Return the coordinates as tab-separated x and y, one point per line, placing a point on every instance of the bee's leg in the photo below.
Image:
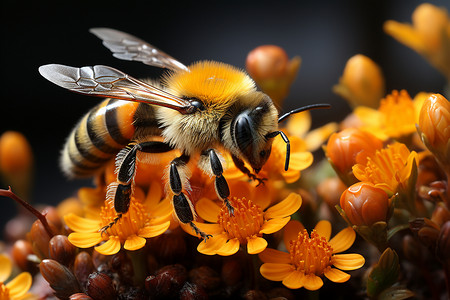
121	190
220	183
239	163
182	206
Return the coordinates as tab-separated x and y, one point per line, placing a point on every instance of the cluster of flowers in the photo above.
390	186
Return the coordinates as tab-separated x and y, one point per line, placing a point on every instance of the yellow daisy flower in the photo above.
396	116
144	219
17	288
311	256
246	227
386	168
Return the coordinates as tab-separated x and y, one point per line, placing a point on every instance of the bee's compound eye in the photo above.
243	133
198	104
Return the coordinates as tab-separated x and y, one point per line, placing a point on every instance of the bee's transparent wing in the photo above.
103	81
128	47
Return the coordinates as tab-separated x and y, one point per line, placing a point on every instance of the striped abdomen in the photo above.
102	133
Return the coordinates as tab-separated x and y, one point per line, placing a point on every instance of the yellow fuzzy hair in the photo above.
211	82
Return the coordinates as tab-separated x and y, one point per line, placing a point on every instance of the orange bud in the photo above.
362	82
15	153
365	204
434	127
272	70
343	146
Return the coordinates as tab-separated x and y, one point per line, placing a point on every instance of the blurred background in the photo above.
325	34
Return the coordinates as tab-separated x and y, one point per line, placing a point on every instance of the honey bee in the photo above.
197	109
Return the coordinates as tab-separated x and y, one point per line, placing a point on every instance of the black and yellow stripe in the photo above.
101	134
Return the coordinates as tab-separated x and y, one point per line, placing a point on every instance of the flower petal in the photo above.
276	272
210	246
256	245
207	210
154	195
291	231
274	225
294	280
210	228
110	247
343	240
134	243
301	160
285	208
229	248
299	124
274	256
85	239
6	269
19	285
336	275
348	261
323	228
312	282
79	224
153	230
315	138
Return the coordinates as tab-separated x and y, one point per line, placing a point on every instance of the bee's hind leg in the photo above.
184	210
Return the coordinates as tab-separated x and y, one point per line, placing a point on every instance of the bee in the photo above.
197	109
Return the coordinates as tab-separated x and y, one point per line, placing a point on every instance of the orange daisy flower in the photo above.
144	219
17	288
310	257
246	227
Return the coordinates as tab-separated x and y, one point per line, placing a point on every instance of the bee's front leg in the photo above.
220	183
239	163
121	190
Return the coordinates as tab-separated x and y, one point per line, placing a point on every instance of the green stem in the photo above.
139	266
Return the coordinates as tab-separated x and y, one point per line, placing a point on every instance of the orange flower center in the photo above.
130	223
311	255
246	221
4	292
398	113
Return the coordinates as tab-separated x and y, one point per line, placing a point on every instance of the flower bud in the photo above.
362	82
100	286
167	281
61	250
83	267
434	128
192	291
80	296
205	277
20	251
60	278
365	204
330	190
441	214
232	272
270	67
426	230
343	147
443	243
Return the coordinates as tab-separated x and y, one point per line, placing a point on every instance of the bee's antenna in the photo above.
288	145
303	108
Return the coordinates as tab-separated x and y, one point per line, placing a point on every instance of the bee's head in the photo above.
250	133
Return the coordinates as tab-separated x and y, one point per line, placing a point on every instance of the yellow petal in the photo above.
405	34
323	228
276	272
312	282
210	246
274	225
209	228
343	240
154	195
207	210
315	138
85	239
19	285
110	247
79	224
163	208
256	245
153	230
294	280
300	160
299	124
6	267
348	261
229	248
336	275
291	231
274	256
285	208
134	243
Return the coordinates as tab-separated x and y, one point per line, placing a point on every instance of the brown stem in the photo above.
9	193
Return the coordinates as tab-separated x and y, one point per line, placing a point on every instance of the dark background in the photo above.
324	33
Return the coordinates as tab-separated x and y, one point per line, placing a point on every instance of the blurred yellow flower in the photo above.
246	227
428	35
17	288
144	219
311	256
386	168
